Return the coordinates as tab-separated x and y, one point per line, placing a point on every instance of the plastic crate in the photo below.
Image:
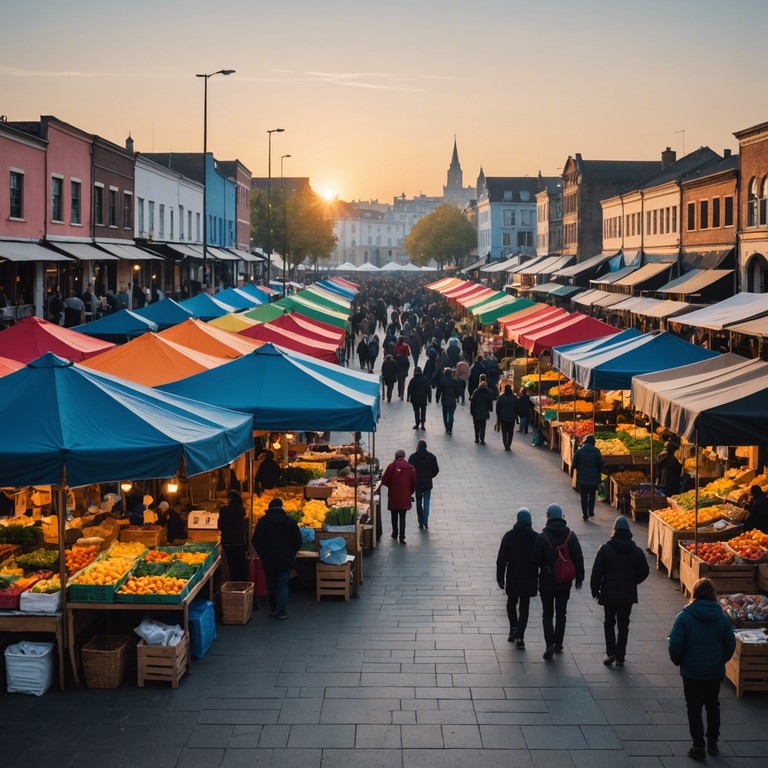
202	627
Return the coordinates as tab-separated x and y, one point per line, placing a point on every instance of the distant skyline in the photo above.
370	97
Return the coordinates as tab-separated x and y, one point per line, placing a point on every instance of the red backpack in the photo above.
564	567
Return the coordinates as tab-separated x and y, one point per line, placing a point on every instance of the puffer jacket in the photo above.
400	478
588	465
513	564
620	565
481	404
544	555
419	390
277	539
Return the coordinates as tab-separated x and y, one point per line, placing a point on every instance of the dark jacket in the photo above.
175	528
268	474
620	565
514	568
524	405
494	372
277	539
702	640
758	515
389	371
474	374
481	404
403	363
419	390
400	478
588	465
232	525
670	471
448	390
453	353
506	407
425	464
544	555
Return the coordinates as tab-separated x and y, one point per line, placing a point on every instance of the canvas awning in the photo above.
13	250
564	291
128	251
457	288
706	258
476	304
206	307
585	299
600	298
82	251
474	265
238	299
757	327
367	267
645	274
347	266
737	309
546	317
517	313
9	366
311	329
501	266
233	322
584	267
222	255
492	314
294	341
31	337
327	298
302	302
612	277
526	266
576	327
479	292
547	266
210	339
164	313
117	327
696	281
443	283
664	308
334	287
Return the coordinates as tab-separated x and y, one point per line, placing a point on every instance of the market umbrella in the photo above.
303	303
165	313
234	322
261	292
206	307
31	337
312	329
207	338
299	341
239	299
326	298
9	366
117	327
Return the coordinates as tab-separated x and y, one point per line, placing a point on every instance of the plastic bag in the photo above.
333	551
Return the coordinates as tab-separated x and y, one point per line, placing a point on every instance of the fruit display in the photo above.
191	558
568	389
751	546
313	514
578	428
613	447
21	532
47	586
37	559
743	608
687	500
629	477
638	442
721	487
128	549
78	557
158	556
153	585
6	550
104	572
712	552
682	520
550	375
301	472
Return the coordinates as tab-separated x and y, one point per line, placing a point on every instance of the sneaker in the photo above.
394	536
511	639
549	653
697	753
609	660
558	649
282	615
712	748
403	541
520	644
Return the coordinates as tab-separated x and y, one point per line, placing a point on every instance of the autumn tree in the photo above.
444	235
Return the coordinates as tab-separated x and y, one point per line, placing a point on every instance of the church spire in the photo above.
455	158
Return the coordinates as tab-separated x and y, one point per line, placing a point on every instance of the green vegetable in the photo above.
181	570
27	536
6	582
40	558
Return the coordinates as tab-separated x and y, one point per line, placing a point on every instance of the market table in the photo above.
73	609
16	621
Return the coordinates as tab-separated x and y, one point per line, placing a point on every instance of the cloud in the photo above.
363	80
19	72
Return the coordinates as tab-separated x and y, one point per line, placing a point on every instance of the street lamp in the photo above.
205	165
282	186
269	202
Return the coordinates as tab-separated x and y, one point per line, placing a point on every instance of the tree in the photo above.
308	226
443	235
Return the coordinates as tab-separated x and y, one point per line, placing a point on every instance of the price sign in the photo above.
203	519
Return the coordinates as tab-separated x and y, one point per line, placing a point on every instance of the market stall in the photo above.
164	313
294	341
210	339
117	327
32	336
206	307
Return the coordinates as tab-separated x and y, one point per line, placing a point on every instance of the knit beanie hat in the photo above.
276	503
555	512
524	515
621	524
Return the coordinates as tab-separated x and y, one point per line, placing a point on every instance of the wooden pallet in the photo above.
728	579
748	668
334	580
164	663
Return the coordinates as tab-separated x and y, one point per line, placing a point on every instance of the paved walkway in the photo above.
417	672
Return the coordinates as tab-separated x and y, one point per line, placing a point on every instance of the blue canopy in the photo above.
165	313
205	307
612	365
97	428
561	356
118	327
256	292
239	299
284	392
342	290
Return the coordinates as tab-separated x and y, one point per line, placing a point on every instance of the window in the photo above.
526	218
691	216
507	217
142	229
648	223
506	239
57	184
171	225
763	203
98	204
728	212
161	221
525	195
655	222
703	214
197	227
151	218
626	224
189	225
76	202
112	207
507	196
525	239
127	211
16	210
181	222
674	218
752	203
668	230
715	212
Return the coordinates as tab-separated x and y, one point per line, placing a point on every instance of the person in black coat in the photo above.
475	372
419	394
233	536
481	408
506	413
277	539
554	596
620	565
362	353
670	468
589	466
758	510
448	392
516	573
389	375
403	362
425	464
268	473
524	410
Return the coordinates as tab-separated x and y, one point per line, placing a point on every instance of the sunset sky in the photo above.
371	94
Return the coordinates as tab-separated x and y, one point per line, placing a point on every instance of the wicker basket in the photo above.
236	602
105	659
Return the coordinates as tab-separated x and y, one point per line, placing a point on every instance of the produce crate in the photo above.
318	492
202	627
333	580
728	579
105	659
641	504
619	494
155	599
94	593
166	663
236	602
148	538
748	667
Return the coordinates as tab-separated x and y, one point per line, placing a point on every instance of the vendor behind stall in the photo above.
143	514
268	473
172	521
758	510
670	469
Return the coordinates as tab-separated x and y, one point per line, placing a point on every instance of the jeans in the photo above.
698	694
616	615
419	413
422	506
398	516
277	589
523	424
517	624
554	604
507	432
480	429
588	500
448	412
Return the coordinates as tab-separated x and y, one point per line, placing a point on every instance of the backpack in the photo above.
564	567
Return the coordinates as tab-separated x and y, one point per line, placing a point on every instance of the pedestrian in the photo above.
400	479
447	394
462	374
700	643
670	468
516	573
362	353
589	466
268	473
506	414
349	345
620	565
524	410
373	352
233	535
74	310
403	362
475	372
758	510
419	395
481	408
389	375
277	539
453	352
554	542
425	464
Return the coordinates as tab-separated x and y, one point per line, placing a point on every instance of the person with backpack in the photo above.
517	574
620	565
557	554
373	352
588	465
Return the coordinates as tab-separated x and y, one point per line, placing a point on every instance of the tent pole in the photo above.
651	473
696	522
354	444
372	508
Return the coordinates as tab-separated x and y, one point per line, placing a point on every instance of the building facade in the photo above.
549	222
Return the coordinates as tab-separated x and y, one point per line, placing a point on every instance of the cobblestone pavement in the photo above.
417	672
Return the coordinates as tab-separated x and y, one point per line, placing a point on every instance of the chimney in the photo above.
668	156
129	143
726	153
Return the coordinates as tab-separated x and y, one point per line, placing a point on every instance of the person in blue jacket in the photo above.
700	643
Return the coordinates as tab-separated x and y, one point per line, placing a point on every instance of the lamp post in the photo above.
282	187
205	165
269	202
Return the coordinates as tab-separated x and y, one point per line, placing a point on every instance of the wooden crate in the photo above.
728	579
748	668
318	491
762	577
147	538
333	580
164	663
201	534
642	505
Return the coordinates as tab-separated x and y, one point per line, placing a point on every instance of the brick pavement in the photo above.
416	673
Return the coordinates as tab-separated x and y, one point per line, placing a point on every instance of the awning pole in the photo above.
696	521
651	472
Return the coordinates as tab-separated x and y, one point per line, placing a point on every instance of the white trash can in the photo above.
29	667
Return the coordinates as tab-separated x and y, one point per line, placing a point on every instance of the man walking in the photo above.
557	554
448	392
425	464
506	413
400	479
481	408
419	394
588	465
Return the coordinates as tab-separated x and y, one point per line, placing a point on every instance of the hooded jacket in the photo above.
506	407
544	554
448	390
620	565
425	464
481	404
419	390
588	464
400	478
702	640
389	371
277	539
453	352
513	564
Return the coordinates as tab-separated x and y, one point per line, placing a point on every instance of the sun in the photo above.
328	194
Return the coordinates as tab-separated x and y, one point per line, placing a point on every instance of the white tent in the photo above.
392	266
347	266
428	269
410	267
367	267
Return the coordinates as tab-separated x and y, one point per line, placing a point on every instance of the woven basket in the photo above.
236	602
105	659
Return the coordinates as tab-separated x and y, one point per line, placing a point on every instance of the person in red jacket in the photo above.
400	479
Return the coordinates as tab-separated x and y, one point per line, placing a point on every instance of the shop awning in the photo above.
544	289
246	256
645	274
696	281
474	265
738	309
545	318
31	337
12	250
502	309
664	308
164	313
260	292
585	299
222	255
443	283
721	401
519	313
479	292
501	266
564	291
82	251
612	277
583	268
577	327
713	258
547	266
206	307
476	303
598	298
457	288
210	339
467	291
129	252
632	304
117	327
526	267
757	327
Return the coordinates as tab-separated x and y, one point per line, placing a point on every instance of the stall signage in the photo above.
203	519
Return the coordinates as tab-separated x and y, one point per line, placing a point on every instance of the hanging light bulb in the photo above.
277	445
289	435
126	487
173	485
